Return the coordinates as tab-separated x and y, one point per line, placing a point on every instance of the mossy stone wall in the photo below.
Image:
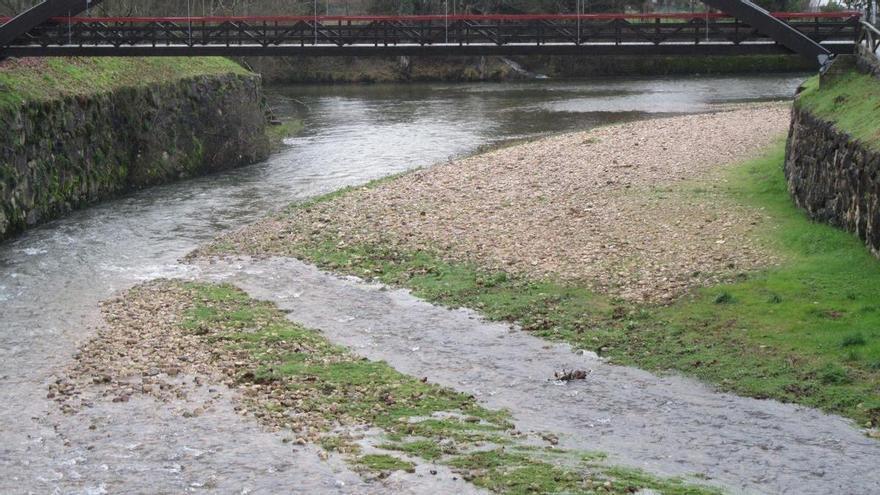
831	175
833	178
64	153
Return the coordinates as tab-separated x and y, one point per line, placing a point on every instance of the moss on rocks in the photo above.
833	150
82	130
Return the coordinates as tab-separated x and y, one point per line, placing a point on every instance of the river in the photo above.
52	277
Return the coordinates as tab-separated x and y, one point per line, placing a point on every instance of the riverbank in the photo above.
83	130
833	148
340	70
663	424
693	263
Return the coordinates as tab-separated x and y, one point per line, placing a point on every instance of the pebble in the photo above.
568	206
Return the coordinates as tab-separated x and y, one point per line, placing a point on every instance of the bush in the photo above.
724	298
852	340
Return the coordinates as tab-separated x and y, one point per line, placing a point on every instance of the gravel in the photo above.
143	352
631	210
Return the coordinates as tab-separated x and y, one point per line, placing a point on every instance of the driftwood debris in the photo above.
567	376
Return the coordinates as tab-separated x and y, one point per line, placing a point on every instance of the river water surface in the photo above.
52	277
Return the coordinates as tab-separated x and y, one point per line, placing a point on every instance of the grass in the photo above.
54	78
518	473
384	464
850	100
278	133
425	449
290	371
806	331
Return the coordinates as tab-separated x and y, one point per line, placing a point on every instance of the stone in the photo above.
67	153
832	177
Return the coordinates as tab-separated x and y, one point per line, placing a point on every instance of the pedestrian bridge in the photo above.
56	28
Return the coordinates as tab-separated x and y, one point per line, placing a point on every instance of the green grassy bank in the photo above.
291	371
850	101
283	130
26	80
81	130
805	331
52	78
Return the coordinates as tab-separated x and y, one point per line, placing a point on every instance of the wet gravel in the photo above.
149	445
143	446
146	396
666	425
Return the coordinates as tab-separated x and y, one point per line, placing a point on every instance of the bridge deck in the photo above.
670	34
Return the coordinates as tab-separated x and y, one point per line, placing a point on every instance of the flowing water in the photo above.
52	277
670	424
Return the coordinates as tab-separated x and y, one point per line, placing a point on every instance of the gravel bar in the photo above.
628	209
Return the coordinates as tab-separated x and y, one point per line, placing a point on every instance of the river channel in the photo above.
52	277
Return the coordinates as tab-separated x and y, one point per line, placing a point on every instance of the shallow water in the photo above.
52	277
670	425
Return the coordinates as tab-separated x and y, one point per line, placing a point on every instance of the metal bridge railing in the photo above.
617	29
869	36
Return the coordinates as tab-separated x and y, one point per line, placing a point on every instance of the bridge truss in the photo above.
814	35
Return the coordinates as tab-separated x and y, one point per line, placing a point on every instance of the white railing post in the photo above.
446	19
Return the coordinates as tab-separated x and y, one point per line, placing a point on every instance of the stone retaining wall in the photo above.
832	176
59	155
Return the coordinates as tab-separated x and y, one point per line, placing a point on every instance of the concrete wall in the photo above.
62	154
